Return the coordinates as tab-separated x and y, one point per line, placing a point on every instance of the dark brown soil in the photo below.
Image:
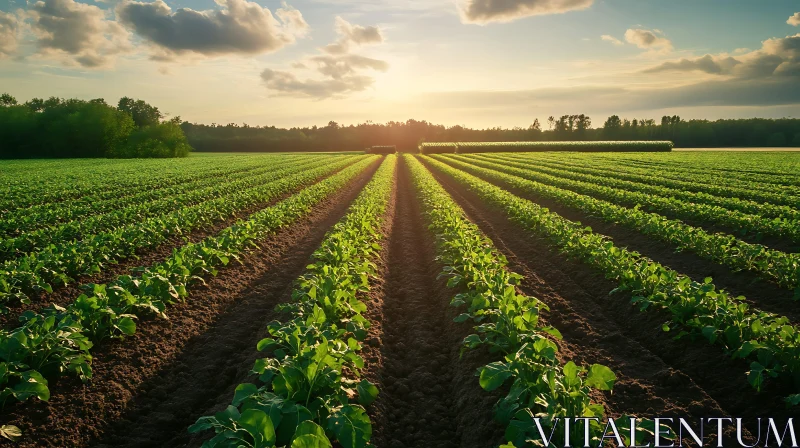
760	293
657	376
429	397
372	347
147	389
64	295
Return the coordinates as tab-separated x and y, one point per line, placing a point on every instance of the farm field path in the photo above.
147	389
429	397
656	375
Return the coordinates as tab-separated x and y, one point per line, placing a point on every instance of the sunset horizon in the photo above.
475	63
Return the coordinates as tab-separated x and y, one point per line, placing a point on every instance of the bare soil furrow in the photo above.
760	293
429	396
147	389
657	376
64	295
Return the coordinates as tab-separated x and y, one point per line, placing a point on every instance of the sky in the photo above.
477	63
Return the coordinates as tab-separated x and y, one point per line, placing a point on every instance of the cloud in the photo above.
338	67
778	57
353	36
487	11
342	70
794	19
78	31
648	40
611	39
239	27
620	99
9	25
288	84
707	64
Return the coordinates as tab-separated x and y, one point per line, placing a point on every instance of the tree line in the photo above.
61	128
58	127
755	132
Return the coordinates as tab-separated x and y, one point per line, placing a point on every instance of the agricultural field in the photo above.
441	299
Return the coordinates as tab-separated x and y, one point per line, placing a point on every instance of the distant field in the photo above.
739	149
670	278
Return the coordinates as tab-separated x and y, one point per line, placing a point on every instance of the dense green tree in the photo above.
407	135
143	114
75	128
163	140
777	139
7	100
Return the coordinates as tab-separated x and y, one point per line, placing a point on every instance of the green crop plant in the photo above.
309	393
507	322
779	267
60	263
770	342
59	339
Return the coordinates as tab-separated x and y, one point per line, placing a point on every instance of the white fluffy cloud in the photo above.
338	67
487	11
352	36
342	71
238	27
287	83
648	40
777	57
9	27
794	19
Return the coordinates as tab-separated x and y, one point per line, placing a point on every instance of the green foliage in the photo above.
56	341
407	135
143	114
34	227
310	377
508	324
162	140
698	309
57	128
725	249
59	262
7	100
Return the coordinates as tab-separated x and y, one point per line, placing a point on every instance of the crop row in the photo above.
580	146
309	381
58	263
650	184
21	221
714	169
57	341
699	174
754	192
86	184
697	308
781	164
773	265
162	202
508	324
692	212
